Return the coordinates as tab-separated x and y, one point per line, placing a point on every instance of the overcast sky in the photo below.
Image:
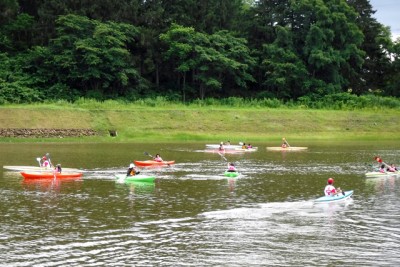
388	13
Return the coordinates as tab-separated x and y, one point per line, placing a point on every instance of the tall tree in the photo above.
285	74
332	42
376	45
212	60
205	16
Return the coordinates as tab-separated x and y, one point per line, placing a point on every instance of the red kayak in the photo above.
43	175
147	163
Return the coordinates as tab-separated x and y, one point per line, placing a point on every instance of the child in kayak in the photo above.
58	168
231	167
132	171
45	162
382	169
392	168
285	144
330	190
158	158
221	148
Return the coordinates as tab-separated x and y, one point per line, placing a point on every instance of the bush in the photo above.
17	93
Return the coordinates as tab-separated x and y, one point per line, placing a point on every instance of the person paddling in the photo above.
132	171
158	158
58	168
330	190
392	168
221	148
45	162
285	144
231	167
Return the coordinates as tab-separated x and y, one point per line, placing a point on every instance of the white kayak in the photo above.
289	148
381	174
336	198
251	149
227	147
36	169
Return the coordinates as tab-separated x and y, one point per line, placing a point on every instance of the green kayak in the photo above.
136	178
231	174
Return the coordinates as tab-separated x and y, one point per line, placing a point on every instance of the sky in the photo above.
388	14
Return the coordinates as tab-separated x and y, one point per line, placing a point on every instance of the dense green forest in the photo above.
185	50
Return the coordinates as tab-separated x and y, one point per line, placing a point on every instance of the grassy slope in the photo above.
181	124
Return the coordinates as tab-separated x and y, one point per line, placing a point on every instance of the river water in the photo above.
194	216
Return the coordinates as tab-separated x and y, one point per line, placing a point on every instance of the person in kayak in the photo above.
392	168
58	168
221	148
330	190
231	167
382	169
132	171
45	162
285	144
158	158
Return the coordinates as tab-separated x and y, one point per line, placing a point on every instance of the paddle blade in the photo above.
38	160
222	156
147	154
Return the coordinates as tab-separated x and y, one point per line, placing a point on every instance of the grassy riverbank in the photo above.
180	123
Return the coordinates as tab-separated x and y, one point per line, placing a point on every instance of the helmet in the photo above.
330	181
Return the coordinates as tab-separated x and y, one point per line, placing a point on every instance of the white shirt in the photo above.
330	190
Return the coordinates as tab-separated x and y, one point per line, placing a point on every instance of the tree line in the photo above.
189	49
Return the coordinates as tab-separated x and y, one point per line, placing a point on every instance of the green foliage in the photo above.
16	92
215	59
215	49
347	101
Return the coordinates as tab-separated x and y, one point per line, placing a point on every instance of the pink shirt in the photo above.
159	159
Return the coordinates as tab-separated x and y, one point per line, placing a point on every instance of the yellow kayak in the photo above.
289	148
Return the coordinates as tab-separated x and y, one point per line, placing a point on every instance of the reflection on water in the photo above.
192	215
50	184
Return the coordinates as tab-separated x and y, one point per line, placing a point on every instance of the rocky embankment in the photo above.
45	133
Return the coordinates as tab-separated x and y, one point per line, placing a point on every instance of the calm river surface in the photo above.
194	216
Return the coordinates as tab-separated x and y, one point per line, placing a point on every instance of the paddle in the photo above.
147	154
48	158
38	160
222	156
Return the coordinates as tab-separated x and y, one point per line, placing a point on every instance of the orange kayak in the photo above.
43	175
147	163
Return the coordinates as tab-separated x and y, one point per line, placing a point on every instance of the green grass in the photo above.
177	122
